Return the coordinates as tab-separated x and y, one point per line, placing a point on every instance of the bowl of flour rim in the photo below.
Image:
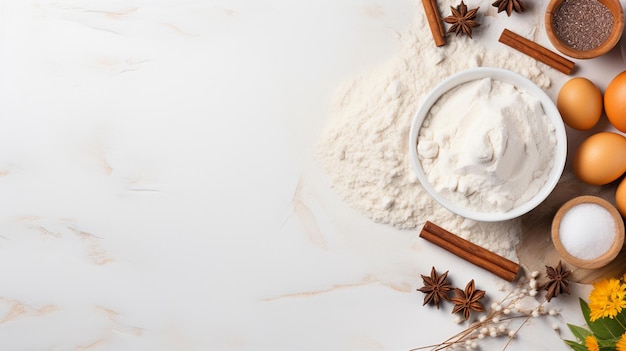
521	83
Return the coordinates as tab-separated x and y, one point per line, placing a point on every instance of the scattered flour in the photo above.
365	146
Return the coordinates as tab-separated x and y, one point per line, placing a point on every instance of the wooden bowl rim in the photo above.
618	27
608	256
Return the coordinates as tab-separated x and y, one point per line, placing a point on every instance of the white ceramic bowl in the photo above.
524	84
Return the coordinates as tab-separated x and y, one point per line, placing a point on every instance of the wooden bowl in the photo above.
618	26
609	255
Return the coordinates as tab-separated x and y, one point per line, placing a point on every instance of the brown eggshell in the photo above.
620	197
580	103
615	102
601	158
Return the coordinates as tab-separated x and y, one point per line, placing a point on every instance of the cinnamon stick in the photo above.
434	21
492	262
536	51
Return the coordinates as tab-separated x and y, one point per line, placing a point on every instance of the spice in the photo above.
587	231
518	304
509	6
582	24
462	20
558	283
536	51
435	287
494	263
468	300
434	21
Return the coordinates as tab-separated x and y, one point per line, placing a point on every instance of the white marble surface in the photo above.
158	189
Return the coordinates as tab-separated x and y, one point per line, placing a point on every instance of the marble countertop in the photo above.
159	190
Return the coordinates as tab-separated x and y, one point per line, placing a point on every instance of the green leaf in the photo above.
621	317
584	307
575	346
603	328
610	343
579	332
606	329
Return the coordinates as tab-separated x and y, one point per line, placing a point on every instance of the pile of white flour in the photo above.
365	146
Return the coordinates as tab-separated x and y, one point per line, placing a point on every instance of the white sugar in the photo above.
587	231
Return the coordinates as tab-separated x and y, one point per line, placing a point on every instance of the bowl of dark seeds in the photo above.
584	28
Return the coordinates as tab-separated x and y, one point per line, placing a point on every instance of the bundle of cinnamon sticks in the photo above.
492	262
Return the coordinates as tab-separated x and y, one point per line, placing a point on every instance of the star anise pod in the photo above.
468	300
509	6
435	287
558	283
462	20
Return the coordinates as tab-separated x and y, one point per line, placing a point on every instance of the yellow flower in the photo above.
607	299
621	344
592	343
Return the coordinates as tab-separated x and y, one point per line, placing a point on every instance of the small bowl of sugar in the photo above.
588	232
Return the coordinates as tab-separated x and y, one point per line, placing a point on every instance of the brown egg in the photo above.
601	158
615	102
580	103
620	198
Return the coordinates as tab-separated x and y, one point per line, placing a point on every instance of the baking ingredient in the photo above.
462	20
615	101
364	147
620	198
583	24
509	6
519	302
536	51
472	253
601	158
587	231
436	287
487	146
434	21
468	300
580	103
557	283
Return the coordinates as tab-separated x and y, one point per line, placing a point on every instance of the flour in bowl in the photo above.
487	146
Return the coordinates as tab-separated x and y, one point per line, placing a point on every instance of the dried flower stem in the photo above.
517	330
494	323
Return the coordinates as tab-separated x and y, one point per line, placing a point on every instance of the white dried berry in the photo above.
535	313
534	274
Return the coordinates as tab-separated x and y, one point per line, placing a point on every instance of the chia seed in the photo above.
582	24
